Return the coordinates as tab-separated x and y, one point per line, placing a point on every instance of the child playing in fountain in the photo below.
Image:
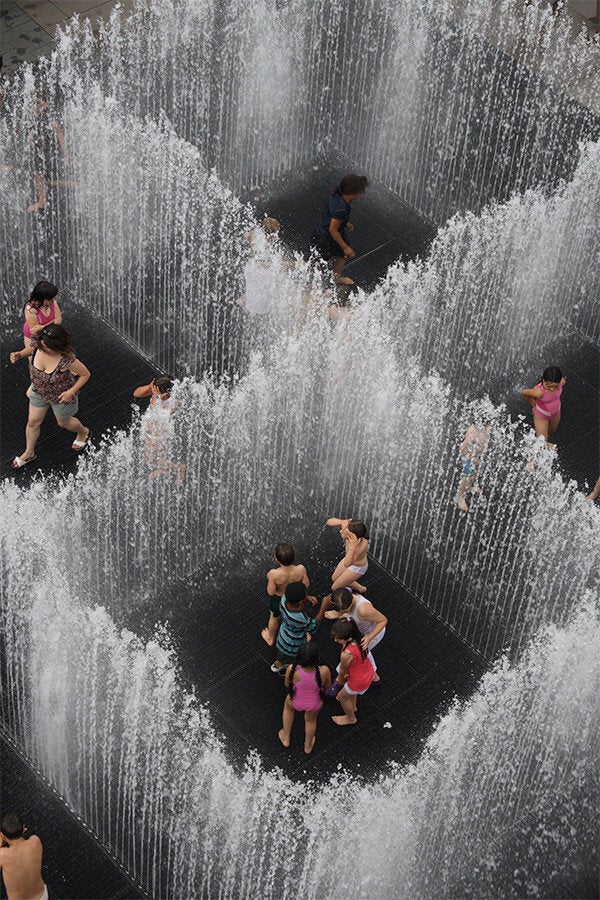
41	309
277	581
260	287
355	671
296	625
330	237
157	428
473	447
370	622
306	680
544	400
355	562
20	860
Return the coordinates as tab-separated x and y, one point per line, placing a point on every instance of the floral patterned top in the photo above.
50	385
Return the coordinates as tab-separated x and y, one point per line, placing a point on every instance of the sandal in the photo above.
18	462
78	446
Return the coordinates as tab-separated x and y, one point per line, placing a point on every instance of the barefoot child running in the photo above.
355	562
277	581
306	680
355	673
544	400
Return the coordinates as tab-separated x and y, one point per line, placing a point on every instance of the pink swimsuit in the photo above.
548	404
307	696
42	319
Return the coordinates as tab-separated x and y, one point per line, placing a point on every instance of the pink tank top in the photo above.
548	404
42	319
307	696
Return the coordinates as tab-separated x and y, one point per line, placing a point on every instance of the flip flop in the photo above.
78	446
18	462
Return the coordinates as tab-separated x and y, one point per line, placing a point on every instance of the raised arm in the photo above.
338	523
144	390
21	354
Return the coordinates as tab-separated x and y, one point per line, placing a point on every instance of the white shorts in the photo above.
359	570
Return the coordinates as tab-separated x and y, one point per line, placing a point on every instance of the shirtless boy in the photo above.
21	861
277	581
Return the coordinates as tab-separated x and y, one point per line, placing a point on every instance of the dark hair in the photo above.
352	184
358	527
11	826
341	599
56	338
164	383
295	592
347	630
42	291
284	553
552	374
308	657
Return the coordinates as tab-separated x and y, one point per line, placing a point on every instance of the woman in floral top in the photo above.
56	378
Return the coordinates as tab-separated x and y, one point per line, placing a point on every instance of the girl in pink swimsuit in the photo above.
544	400
306	680
41	309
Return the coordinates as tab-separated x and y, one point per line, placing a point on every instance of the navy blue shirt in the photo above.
337	208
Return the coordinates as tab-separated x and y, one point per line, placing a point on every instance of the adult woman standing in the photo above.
57	376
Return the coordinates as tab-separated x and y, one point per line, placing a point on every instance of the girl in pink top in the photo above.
41	309
306	680
544	400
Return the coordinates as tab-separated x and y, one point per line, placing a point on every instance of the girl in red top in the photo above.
355	673
544	400
306	680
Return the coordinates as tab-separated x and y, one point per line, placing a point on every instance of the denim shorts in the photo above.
60	410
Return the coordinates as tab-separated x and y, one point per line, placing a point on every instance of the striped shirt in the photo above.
295	625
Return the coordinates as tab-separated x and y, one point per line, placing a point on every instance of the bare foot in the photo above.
462	504
35	206
308	746
342	279
285	741
376	679
266	636
360	588
344	720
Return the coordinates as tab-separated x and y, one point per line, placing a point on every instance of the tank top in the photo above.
364	626
50	385
307	694
42	318
549	403
361	671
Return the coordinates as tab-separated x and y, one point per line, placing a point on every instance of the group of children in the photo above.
295	615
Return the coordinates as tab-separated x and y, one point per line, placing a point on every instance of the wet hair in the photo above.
341	599
270	225
284	554
552	374
164	383
295	592
308	657
358	527
347	630
41	292
56	338
352	184
11	826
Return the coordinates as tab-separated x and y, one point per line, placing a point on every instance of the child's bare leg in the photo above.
466	483
40	184
339	569
338	265
541	426
269	633
553	424
357	586
288	720
348	702
310	730
345	579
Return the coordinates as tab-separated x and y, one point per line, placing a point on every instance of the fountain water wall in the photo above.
424	97
145	233
491	805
